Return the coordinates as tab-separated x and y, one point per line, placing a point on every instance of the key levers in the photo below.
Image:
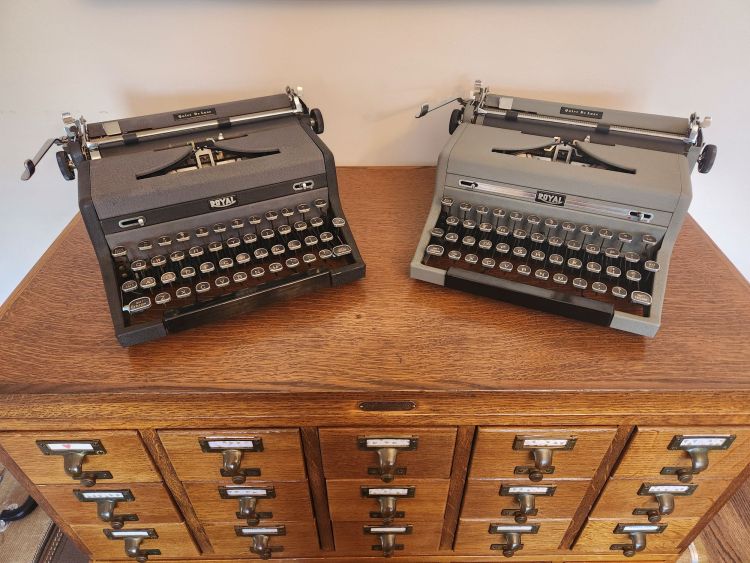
567	209
200	214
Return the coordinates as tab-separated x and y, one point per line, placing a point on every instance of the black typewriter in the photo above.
204	213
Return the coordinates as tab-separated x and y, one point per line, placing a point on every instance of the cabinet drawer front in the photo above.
483	500
264	455
620	497
300	539
174	541
149	502
598	535
510	452
416	500
278	500
474	536
352	453
649	452
351	538
121	455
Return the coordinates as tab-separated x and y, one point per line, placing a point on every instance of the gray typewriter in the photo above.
564	208
203	213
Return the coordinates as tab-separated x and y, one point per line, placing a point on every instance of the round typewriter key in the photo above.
593	267
308	258
225	263
266	234
253	220
168	277
164	241
574	245
613	271
202	287
485	244
201	232
471	258
641	298
119	251
277	249
183	292
537	255
606	234
239	277
502	231
207	267
320	203
533	220
303	208
311	240
469	224
519	251
325	236
505	266
555	241
599	287
437	232
138	304
625	238
219	228
338	222
454	255
649	240
182	236
619	292
271	216
568	226
316	222
243	258
237	223
446	201
537	238
177	256
294	244
633	275
516	216
300	226
587	230
138	265
541	274
195	251
233	242
162	298
292	263
434	250
592	249
257	272
612	253
550	223
130	285
574	263
632	257
482	210
524	270
498	213
157	261
187	272
651	266
221	281
580	283
468	240
284	230
502	248
561	279
249	238
464	206
519	234
485	227
260	253
275	267
451	237
286	212
488	263
325	254
215	246
556	259
452	221
145	245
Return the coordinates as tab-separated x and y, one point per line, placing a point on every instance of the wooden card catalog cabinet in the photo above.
386	418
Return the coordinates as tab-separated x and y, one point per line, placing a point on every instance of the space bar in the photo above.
549	300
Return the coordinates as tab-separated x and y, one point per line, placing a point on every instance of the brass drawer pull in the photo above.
697	447
388	537
525	496
387	450
664	495
512	535
74	454
106	502
387	498
637	533
542	450
248	498
261	537
133	540
232	451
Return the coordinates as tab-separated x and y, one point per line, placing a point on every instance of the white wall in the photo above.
367	65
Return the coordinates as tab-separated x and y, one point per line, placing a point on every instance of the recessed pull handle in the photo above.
74	454
387	450
637	534
697	448
232	451
542	452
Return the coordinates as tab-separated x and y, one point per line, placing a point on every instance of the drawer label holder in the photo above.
248	498
387	450
387	536
513	534
387	498
74	453
637	533
525	496
133	540
262	537
232	450
106	502
664	495
542	450
697	447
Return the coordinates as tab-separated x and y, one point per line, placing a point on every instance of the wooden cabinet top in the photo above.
386	333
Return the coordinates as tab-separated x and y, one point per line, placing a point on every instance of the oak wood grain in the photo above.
557	558
351	539
459	470
474	536
300	540
598	535
318	491
173	541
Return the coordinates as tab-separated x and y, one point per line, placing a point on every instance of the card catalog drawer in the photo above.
171	540
377	540
519	499
83	457
682	452
415	500
270	539
539	452
234	456
631	537
652	500
354	453
130	505
253	502
503	536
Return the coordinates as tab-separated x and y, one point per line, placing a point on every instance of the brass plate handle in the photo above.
133	539
261	539
512	536
387	499
697	447
74	453
232	450
664	495
388	537
637	533
542	451
106	503
387	449
248	499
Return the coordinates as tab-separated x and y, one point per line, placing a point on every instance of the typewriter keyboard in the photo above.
199	266
590	261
